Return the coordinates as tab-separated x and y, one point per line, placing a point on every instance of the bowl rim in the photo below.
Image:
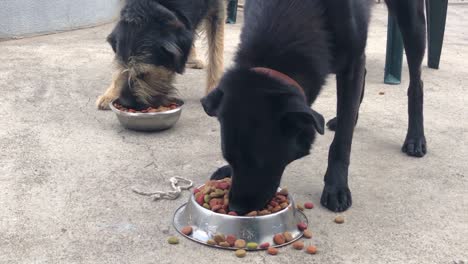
117	111
291	204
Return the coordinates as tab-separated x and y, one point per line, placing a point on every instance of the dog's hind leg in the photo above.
411	20
113	92
215	35
336	195
193	61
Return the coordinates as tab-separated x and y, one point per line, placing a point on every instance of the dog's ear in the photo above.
112	41
175	55
212	101
298	116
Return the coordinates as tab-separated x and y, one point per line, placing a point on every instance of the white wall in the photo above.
32	17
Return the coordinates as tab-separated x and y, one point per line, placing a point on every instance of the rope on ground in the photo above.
177	183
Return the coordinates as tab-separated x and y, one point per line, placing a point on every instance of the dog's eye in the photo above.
141	75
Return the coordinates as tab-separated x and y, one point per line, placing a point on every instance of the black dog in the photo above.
153	41
263	103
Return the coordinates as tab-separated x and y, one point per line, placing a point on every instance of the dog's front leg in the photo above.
113	92
215	35
336	195
193	61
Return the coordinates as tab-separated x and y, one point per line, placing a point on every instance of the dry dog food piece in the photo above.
240	253
240	243
231	239
311	249
224	244
253	213
276	209
302	226
307	233
309	205
219	238
284	191
381	93
252	245
173	240
272	251
265	245
300	207
264	212
279	239
171	106
214	196
288	236
299	245
187	230
211	242
339	219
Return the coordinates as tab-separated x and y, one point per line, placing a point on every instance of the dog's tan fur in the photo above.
157	81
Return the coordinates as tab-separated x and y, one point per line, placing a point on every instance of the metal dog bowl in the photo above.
260	229
148	121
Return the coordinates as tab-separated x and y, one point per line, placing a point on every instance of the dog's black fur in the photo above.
266	124
158	33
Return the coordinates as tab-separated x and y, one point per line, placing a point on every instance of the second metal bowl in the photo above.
148	121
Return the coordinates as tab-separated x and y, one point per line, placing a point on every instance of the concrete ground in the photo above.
66	169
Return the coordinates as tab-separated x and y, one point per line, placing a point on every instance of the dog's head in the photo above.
265	126
151	44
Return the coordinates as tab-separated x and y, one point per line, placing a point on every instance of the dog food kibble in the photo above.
219	238
264	245
309	205
240	243
300	207
211	242
240	253
339	219
171	106
214	196
187	230
307	233
173	240
284	191
299	245
272	251
253	213
231	240
224	244
302	226
288	236
252	245
311	249
279	239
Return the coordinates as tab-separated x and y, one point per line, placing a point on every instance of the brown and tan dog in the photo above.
154	40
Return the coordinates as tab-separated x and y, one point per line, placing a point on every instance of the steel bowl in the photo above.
260	229
148	121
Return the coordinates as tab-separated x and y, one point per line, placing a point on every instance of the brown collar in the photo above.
280	77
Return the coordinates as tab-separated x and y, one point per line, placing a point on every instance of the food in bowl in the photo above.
150	109
214	196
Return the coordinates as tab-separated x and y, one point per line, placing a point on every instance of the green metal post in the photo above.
436	11
393	61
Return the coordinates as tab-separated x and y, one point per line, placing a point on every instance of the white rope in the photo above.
169	195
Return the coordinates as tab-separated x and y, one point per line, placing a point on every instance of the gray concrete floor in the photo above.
66	169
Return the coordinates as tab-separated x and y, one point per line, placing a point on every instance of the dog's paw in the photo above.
195	64
336	199
103	102
221	173
415	146
332	124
